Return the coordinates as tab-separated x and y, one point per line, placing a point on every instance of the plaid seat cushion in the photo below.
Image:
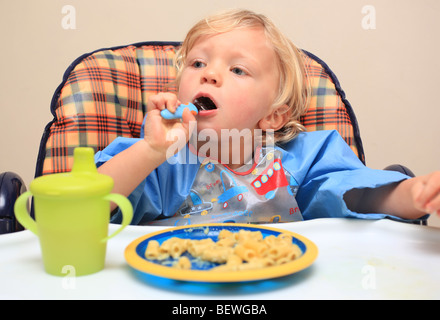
329	109
104	93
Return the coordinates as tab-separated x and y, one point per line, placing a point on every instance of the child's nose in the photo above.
211	76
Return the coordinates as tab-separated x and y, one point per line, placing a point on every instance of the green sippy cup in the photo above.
72	214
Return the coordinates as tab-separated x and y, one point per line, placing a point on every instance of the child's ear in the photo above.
276	119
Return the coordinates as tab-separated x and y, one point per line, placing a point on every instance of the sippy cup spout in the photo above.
84	180
83	160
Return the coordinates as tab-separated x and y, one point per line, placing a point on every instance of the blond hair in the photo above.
293	87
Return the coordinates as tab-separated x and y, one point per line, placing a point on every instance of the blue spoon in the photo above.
166	114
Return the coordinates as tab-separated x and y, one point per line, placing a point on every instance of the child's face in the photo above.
237	71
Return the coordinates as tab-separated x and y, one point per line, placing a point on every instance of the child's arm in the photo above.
131	166
409	199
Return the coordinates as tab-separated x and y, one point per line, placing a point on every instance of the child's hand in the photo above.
426	193
166	136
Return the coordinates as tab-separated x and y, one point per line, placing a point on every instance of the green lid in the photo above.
83	181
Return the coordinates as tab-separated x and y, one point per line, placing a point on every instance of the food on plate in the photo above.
242	250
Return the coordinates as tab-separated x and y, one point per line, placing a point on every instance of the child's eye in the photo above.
238	71
198	64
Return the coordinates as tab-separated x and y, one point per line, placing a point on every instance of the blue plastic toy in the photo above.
166	114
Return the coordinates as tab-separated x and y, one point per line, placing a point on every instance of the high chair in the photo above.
103	95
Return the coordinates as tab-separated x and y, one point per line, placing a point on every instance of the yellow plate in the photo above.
134	254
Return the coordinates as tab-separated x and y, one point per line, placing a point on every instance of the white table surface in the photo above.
357	260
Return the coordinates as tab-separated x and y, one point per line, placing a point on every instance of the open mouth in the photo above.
204	103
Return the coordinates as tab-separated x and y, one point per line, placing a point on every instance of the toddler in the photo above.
245	157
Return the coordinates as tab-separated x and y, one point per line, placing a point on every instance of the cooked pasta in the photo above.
233	251
183	263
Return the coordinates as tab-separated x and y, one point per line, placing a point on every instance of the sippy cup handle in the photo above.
126	209
22	215
21	212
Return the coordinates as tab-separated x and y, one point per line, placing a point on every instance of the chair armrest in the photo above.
11	187
400	168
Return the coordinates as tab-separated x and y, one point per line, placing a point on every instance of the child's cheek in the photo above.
183	94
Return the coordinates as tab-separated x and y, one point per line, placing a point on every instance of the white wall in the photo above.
388	73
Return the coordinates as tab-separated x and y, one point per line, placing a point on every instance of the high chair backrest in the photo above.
104	93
